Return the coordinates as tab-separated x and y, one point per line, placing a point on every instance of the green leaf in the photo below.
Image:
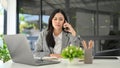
4	53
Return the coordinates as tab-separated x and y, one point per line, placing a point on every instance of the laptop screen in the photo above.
108	48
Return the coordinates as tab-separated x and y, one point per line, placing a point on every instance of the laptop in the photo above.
20	51
108	54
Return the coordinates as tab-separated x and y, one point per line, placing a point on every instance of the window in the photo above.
98	20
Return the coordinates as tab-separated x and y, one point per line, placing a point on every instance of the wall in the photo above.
11	17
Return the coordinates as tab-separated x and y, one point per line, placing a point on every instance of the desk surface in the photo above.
99	63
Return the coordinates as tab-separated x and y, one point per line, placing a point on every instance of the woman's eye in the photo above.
61	19
54	19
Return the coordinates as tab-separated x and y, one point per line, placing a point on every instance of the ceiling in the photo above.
34	6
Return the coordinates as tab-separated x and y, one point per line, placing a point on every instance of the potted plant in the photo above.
4	53
72	52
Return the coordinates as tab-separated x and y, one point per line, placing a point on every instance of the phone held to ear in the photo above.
66	28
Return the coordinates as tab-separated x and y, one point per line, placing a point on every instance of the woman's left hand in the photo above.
69	28
56	55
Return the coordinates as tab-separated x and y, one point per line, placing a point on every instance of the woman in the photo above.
58	35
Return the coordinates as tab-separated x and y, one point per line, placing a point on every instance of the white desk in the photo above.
97	63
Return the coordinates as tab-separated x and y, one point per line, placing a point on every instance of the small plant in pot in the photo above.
72	52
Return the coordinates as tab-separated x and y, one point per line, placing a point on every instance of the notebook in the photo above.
20	51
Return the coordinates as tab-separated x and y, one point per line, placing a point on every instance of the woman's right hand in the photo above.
69	28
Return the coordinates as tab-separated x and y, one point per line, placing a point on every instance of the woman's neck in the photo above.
57	32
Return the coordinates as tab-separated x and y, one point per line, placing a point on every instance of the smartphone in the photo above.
66	28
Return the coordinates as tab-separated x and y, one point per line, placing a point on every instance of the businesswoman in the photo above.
57	36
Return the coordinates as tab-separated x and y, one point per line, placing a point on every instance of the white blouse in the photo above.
58	43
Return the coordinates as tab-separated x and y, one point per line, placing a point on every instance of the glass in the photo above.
29	24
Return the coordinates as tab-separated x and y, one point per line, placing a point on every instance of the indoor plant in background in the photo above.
71	52
4	53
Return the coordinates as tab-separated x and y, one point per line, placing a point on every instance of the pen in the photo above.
90	44
84	44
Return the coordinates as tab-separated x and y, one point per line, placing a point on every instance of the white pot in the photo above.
67	61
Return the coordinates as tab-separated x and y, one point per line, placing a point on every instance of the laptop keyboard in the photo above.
46	61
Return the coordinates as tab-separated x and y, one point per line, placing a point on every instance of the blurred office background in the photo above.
98	20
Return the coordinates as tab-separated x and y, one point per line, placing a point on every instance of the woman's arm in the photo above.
74	38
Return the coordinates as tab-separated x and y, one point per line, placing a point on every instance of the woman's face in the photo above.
58	21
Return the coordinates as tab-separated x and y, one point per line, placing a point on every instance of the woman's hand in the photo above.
56	55
69	28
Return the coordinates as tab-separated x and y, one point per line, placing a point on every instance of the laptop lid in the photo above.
20	51
107	54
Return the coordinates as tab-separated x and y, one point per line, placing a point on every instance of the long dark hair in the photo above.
49	38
